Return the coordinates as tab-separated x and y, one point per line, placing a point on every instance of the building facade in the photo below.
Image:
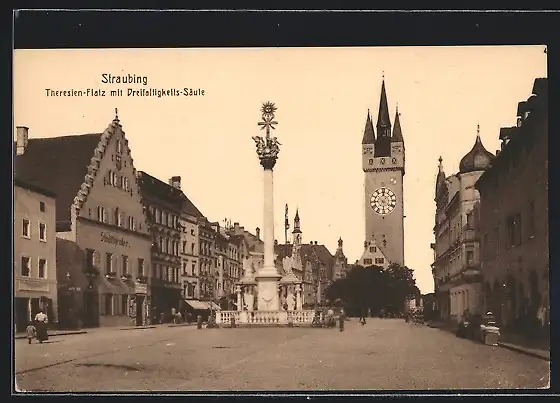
35	281
456	268
206	260
383	162
373	256
98	207
163	204
514	219
190	242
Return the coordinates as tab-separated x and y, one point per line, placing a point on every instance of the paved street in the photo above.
384	354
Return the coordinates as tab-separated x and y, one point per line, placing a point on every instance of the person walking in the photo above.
31	332
41	321
341	320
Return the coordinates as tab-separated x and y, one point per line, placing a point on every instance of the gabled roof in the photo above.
254	243
283	250
189	207
58	164
165	195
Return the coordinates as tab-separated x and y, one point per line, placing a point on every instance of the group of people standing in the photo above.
38	328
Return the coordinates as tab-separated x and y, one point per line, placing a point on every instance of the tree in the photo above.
374	288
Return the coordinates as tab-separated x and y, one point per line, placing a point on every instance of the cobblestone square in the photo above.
384	354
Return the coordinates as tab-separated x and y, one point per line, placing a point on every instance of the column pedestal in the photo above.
267	286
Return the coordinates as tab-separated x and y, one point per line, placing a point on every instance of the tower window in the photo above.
373	249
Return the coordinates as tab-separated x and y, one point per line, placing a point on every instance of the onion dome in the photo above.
477	159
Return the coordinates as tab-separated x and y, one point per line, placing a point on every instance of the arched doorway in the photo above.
522	305
511	301
497	301
534	294
487	297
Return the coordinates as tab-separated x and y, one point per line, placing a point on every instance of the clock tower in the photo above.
383	162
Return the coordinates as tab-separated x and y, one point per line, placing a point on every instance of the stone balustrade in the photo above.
266	318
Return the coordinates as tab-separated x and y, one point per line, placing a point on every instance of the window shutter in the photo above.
116	264
96	258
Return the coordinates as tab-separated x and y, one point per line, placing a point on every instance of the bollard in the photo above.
199	322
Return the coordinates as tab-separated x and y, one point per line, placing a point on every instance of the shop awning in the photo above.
195	304
213	306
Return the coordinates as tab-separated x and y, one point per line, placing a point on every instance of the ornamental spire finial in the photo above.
116	114
267	147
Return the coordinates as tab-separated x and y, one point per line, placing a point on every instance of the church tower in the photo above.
296	234
383	162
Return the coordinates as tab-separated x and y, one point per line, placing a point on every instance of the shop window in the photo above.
107	304
124	304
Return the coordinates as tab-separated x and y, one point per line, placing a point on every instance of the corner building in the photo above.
163	204
35	285
383	162
456	266
514	222
98	207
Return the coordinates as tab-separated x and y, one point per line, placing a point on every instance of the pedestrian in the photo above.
31	332
41	321
341	320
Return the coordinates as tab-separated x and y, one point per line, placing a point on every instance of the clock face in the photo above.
383	201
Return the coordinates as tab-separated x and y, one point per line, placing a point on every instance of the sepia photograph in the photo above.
280	219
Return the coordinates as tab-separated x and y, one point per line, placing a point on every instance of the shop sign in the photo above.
141	288
115	240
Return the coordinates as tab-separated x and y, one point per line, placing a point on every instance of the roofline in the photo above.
34	188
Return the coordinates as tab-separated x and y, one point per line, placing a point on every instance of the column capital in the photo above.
268	163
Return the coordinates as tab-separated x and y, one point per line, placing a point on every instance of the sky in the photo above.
322	96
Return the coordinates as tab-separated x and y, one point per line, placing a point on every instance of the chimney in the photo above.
175	181
258	233
236	228
497	152
22	139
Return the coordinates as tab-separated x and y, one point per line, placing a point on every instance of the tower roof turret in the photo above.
441	175
369	134
397	132
478	158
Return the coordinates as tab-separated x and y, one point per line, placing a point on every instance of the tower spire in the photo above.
383	120
383	141
296	222
369	134
397	132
